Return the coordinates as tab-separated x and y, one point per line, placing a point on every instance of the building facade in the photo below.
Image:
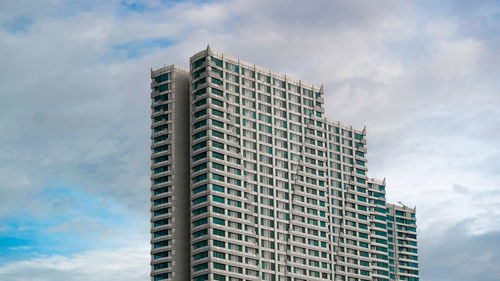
170	185
272	189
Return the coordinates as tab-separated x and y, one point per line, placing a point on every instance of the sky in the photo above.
422	76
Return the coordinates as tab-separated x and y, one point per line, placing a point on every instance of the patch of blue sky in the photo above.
70	221
15	248
137	48
128	6
433	9
479	11
138	6
189	1
479	19
28	237
18	24
66	9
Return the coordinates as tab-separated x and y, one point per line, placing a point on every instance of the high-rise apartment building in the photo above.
402	242
170	184
250	181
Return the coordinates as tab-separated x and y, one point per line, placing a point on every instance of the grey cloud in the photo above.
460	189
458	256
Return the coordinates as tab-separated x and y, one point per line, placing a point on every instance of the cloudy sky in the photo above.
423	76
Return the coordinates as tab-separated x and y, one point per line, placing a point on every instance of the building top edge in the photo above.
256	67
343	125
401	207
169	68
376	181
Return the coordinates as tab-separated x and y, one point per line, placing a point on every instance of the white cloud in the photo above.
434	155
207	14
388	72
124	264
455	59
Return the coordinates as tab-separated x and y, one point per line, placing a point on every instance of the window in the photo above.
217	92
219	221
219	277
200	222
217	81
218	199
161	78
218	167
200	178
219	266
159	108
199	156
200	124
200	188
161	169
200	102
200	135
200	113
201	255
199	93
217	102
161	128
218	210
201	244
161	265
161	148
161	212
219	232
198	63
199	82
219	255
218	155
162	276
162	233
161	222
161	180
217	144
163	117
200	211
161	190
219	72
218	62
161	200
199	145
200	200
161	88
218	123
203	277
218	177
217	187
201	266
197	73
200	167
162	97
217	113
200	233
160	138
161	255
